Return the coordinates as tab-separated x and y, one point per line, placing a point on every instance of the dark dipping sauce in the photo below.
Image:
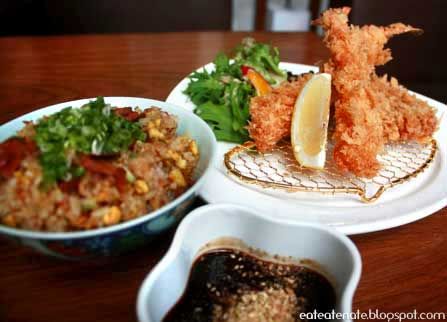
232	285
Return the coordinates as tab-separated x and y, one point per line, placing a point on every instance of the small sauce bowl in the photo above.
336	255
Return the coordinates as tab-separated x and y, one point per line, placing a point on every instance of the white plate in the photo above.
400	205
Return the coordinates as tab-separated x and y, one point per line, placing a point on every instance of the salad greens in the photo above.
222	97
91	129
261	57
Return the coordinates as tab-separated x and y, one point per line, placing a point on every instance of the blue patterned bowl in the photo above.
131	234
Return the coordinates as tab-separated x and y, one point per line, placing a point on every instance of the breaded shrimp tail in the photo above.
271	114
369	111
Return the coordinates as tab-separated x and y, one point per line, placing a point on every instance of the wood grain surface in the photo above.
403	268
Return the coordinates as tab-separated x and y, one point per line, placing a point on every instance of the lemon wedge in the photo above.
310	122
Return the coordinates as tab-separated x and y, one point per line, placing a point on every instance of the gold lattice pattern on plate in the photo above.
279	169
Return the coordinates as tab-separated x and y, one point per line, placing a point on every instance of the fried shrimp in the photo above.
370	111
271	114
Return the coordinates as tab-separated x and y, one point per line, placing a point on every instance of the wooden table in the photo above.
403	268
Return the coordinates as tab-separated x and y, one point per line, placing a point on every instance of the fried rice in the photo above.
113	189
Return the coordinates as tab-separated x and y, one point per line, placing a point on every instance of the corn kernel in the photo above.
181	163
155	134
9	220
113	216
173	155
150	125
177	176
193	147
141	187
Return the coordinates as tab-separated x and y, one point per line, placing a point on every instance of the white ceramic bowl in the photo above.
128	235
337	255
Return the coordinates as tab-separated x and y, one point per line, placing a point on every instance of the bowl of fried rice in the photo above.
102	176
